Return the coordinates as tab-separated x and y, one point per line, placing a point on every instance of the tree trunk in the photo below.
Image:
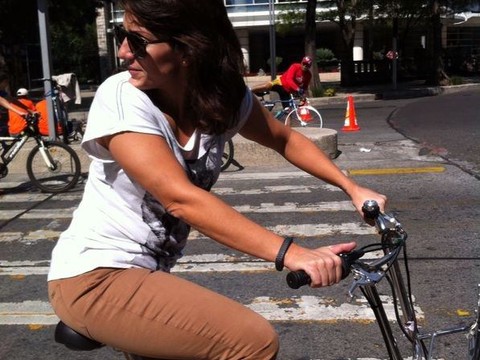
437	76
348	34
310	44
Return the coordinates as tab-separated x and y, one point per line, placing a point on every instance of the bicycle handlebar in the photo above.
297	279
31	117
390	230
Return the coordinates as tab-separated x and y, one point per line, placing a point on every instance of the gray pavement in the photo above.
249	154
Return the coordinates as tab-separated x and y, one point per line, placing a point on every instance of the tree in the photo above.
399	15
310	41
345	13
437	10
342	12
294	16
74	37
72	32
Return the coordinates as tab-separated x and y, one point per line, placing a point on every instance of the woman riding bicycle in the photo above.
155	135
293	81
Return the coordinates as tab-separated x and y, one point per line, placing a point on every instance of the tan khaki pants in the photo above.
160	315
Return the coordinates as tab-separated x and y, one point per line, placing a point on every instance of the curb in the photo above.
248	153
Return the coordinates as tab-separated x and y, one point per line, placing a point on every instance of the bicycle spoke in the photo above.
304	116
63	173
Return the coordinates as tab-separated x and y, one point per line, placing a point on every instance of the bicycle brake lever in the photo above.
364	278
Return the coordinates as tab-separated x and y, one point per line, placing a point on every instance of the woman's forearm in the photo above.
207	214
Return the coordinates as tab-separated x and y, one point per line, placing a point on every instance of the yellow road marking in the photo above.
392	171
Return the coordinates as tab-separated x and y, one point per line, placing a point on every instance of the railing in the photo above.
374	70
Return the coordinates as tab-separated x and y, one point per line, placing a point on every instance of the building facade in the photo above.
254	20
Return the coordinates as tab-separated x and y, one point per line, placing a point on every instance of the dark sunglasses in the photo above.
136	43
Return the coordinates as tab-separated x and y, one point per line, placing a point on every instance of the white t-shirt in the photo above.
117	223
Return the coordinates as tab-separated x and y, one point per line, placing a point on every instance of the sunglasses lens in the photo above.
120	34
135	43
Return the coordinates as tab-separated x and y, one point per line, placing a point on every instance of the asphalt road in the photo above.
447	125
434	198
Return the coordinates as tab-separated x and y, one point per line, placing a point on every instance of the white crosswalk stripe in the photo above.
298	230
294	308
66	213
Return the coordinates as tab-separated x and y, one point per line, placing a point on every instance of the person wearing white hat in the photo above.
22	92
20	105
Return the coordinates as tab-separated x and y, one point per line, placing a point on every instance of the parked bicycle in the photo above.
297	113
368	273
52	166
68	130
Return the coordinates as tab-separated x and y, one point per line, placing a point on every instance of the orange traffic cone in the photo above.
350	117
305	114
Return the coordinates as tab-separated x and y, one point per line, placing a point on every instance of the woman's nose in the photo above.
124	51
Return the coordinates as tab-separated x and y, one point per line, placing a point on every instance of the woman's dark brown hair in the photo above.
202	31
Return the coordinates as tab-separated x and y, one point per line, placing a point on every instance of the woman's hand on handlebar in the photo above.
361	194
323	264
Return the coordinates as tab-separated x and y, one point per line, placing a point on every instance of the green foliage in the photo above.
456	80
278	61
324	54
330	92
290	17
73	41
74	38
323	92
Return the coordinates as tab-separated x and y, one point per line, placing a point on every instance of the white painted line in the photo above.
29	237
292	309
297	308
309	230
292	189
27	313
187	264
263	175
66	213
298	230
37	197
275	175
315	308
262	208
296	208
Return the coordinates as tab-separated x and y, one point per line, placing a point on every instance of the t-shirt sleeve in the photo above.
119	107
243	114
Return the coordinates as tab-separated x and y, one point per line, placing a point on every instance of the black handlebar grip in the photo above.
297	279
370	209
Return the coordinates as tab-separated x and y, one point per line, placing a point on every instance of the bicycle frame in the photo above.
368	273
391	231
13	144
290	104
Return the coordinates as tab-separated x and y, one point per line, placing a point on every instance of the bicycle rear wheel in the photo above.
65	172
304	116
227	156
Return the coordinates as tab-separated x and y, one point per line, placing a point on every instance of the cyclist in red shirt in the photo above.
295	80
